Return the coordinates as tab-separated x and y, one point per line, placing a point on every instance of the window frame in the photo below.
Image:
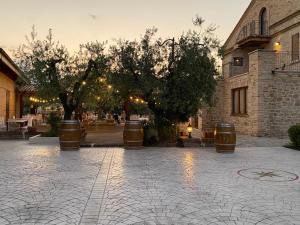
263	22
239	113
238	61
296	35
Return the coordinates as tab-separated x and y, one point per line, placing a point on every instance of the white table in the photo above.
20	122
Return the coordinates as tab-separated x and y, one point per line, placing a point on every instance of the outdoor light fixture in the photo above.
189	130
83	83
277	43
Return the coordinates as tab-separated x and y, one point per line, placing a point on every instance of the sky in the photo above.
74	22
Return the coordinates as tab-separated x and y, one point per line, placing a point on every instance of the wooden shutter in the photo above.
295	47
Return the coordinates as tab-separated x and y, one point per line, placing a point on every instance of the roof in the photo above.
4	58
240	21
27	88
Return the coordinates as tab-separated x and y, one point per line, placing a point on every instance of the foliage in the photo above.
55	73
221	52
175	78
294	134
53	120
150	134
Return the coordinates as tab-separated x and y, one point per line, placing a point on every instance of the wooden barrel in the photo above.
70	134
133	134
225	137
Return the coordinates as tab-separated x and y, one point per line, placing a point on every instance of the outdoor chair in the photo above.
207	138
2	123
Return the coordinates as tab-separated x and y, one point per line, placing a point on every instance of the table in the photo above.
21	122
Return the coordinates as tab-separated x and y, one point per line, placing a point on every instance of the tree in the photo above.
56	74
174	78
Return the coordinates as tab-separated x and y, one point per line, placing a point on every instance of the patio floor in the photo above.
152	186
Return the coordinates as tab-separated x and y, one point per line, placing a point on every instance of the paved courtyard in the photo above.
153	186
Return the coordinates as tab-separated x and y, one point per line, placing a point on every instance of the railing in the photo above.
285	61
253	29
237	70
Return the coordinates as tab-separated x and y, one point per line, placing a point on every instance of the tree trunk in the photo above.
68	113
127	110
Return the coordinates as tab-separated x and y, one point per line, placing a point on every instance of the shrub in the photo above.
150	133
294	134
53	120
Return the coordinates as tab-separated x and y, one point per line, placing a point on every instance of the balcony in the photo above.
253	34
286	61
237	70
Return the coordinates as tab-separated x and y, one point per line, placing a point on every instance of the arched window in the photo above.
263	22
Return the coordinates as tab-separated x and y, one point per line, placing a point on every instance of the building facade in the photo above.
10	97
260	88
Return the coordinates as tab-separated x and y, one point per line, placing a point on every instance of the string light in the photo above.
137	100
40	100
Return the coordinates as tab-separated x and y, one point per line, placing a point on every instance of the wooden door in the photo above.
7	105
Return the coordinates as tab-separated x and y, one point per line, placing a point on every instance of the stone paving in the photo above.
152	186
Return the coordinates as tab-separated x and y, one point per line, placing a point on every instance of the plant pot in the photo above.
69	135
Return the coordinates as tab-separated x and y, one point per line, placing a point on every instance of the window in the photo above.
239	101
263	22
238	61
295	47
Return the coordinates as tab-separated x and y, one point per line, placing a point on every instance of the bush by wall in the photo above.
294	134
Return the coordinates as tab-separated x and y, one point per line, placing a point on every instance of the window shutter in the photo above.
295	47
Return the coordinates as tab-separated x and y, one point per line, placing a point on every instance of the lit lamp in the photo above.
189	130
277	46
277	43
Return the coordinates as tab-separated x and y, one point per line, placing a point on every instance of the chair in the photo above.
208	138
2	122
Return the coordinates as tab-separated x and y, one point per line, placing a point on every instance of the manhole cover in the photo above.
268	175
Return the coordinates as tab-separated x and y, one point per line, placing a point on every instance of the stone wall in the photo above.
286	102
276	10
279	101
273	98
279	97
212	115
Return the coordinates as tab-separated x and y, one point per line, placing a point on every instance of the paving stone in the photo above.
152	186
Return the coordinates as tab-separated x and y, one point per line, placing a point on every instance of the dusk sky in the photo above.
78	21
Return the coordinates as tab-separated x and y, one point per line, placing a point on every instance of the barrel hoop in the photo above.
70	122
226	132
224	125
69	141
133	121
133	129
224	144
70	129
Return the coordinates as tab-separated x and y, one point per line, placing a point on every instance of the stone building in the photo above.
260	88
10	97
